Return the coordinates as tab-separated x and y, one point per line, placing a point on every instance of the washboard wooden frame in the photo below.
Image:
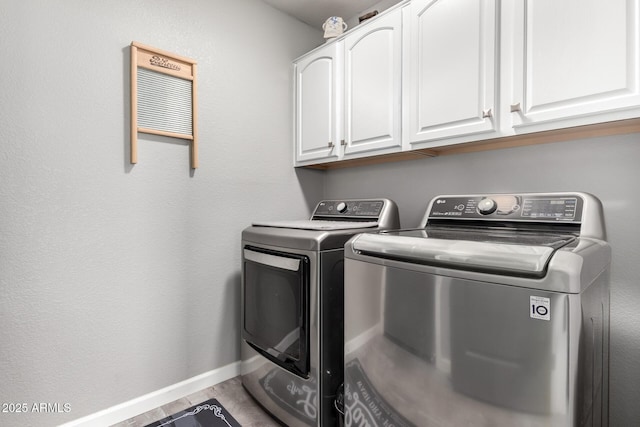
163	97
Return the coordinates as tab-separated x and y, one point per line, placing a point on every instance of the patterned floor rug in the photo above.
206	414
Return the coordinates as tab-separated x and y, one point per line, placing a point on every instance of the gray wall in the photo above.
118	280
605	167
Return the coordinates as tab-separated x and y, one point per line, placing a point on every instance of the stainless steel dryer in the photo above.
292	307
495	312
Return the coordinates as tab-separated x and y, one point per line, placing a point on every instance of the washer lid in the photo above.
510	253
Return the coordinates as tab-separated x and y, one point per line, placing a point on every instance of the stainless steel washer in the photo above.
495	312
292	307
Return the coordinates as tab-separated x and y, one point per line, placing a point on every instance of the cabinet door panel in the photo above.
316	117
580	58
452	78
373	61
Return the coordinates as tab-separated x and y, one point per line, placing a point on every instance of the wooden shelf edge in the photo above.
620	127
373	160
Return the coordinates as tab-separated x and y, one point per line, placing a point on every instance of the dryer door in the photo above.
276	307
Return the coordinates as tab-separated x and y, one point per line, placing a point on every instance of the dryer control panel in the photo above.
510	207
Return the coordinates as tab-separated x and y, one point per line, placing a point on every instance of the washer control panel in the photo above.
349	208
525	207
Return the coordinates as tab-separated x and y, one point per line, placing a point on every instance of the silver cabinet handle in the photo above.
331	144
487	114
515	107
343	142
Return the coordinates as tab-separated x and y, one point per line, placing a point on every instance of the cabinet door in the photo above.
373	91
452	79
574	59
317	92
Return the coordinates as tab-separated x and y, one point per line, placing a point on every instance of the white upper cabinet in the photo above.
348	94
451	79
426	74
317	98
571	61
372	85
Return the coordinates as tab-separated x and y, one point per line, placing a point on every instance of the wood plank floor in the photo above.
230	394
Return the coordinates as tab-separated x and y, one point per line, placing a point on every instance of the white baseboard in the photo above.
142	404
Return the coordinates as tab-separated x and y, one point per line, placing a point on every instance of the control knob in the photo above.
487	206
341	207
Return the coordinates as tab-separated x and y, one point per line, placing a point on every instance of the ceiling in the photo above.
315	12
